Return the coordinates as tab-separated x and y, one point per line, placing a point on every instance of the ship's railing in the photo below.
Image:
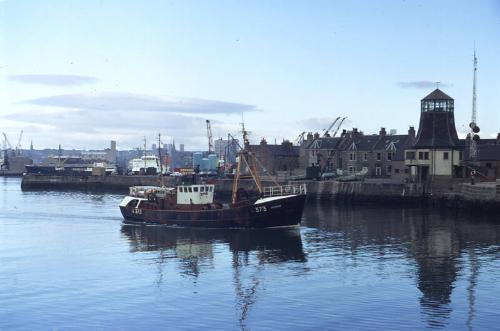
274	191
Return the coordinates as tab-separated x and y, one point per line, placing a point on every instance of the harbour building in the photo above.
437	151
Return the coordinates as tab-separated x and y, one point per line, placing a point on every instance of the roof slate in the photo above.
437	94
489	152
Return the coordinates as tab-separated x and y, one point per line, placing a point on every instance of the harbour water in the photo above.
67	262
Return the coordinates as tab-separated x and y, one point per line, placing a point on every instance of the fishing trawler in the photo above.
194	205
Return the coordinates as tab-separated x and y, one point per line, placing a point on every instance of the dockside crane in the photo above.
326	133
6	142
300	139
338	127
210	138
18	146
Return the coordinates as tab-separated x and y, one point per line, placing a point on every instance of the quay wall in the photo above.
362	191
121	184
482	196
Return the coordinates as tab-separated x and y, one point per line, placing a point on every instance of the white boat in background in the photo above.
145	165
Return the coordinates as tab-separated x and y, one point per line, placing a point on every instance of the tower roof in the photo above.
437	94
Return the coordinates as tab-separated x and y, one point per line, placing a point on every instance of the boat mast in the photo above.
248	157
59	154
236	180
159	159
145	154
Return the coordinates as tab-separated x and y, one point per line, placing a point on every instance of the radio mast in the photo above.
474	114
474	137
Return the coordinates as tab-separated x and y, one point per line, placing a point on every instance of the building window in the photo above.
352	156
410	155
407	170
388	169
379	156
378	171
423	155
365	157
351	170
389	156
461	156
396	171
446	155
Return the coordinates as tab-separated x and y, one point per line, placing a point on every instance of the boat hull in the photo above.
285	211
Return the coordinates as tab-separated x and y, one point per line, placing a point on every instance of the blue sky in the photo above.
81	73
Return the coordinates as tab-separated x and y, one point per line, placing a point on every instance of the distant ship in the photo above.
145	165
71	166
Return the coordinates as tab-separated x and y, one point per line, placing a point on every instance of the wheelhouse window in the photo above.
195	189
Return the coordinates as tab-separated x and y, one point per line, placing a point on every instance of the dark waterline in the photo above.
68	262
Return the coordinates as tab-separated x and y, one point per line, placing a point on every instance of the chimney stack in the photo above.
382	132
309	137
411	132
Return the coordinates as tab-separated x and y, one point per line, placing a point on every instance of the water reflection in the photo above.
269	245
194	249
436	242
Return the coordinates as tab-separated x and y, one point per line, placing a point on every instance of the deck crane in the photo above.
330	127
210	138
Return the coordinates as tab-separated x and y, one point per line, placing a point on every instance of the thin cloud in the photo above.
54	80
94	127
133	102
422	84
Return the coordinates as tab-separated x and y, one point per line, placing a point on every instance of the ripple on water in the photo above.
68	262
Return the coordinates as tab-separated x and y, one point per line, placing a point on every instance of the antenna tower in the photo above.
474	137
